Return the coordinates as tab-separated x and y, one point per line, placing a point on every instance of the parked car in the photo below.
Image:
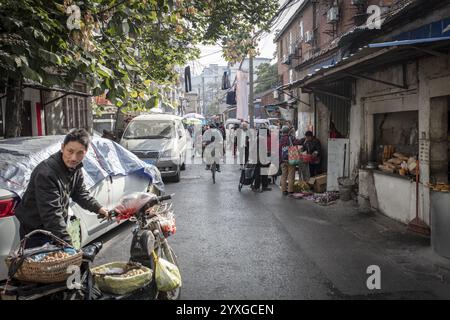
259	122
158	139
274	123
231	122
110	171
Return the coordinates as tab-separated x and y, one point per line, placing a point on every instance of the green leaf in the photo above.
125	27
85	61
49	56
104	71
29	73
97	91
18	61
173	18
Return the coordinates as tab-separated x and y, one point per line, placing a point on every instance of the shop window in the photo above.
396	145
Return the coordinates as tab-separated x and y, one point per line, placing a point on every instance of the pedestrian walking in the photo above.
287	170
262	180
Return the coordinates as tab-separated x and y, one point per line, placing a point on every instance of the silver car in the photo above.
110	171
158	139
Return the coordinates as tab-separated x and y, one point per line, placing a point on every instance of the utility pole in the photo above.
204	99
251	106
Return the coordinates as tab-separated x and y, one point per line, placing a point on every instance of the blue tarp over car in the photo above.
19	156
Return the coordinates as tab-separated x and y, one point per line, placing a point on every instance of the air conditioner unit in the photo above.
309	36
286	59
333	14
358	2
276	94
294	49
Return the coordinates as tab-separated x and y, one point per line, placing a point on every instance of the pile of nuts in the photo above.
132	273
440	187
55	256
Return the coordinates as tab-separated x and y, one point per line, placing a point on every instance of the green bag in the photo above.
167	275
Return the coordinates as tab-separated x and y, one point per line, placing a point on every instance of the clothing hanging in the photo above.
187	78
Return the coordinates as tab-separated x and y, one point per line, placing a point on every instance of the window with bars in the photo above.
300	32
281	49
74	112
291	76
291	43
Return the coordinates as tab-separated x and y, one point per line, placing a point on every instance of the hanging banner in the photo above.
287	114
242	95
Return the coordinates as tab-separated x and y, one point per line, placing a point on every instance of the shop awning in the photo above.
407	42
372	57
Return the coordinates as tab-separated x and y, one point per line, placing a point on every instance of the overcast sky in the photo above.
213	54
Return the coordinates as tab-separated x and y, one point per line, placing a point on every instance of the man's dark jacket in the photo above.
311	146
45	203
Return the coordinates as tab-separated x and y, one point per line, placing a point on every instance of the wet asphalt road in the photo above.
247	245
230	244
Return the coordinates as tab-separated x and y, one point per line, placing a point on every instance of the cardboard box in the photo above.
319	183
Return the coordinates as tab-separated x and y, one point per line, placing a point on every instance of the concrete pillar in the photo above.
357	130
438	140
323	124
53	113
424	141
305	117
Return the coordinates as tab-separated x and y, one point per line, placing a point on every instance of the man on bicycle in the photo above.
210	137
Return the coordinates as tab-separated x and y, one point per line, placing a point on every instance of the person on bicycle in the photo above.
212	132
53	182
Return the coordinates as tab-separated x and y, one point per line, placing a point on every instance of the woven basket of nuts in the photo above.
121	277
48	267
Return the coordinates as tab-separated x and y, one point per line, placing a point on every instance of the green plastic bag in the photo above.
167	275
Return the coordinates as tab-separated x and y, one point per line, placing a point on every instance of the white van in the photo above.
158	139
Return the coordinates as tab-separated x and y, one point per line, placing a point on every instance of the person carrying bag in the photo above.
293	154
288	154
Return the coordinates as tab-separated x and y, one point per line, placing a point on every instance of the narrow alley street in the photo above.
247	245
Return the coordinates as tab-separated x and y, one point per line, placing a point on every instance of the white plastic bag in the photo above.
167	275
272	170
74	230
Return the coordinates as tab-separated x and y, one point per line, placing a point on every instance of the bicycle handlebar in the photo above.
112	213
164	198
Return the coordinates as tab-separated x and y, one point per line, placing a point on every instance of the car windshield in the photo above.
150	129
